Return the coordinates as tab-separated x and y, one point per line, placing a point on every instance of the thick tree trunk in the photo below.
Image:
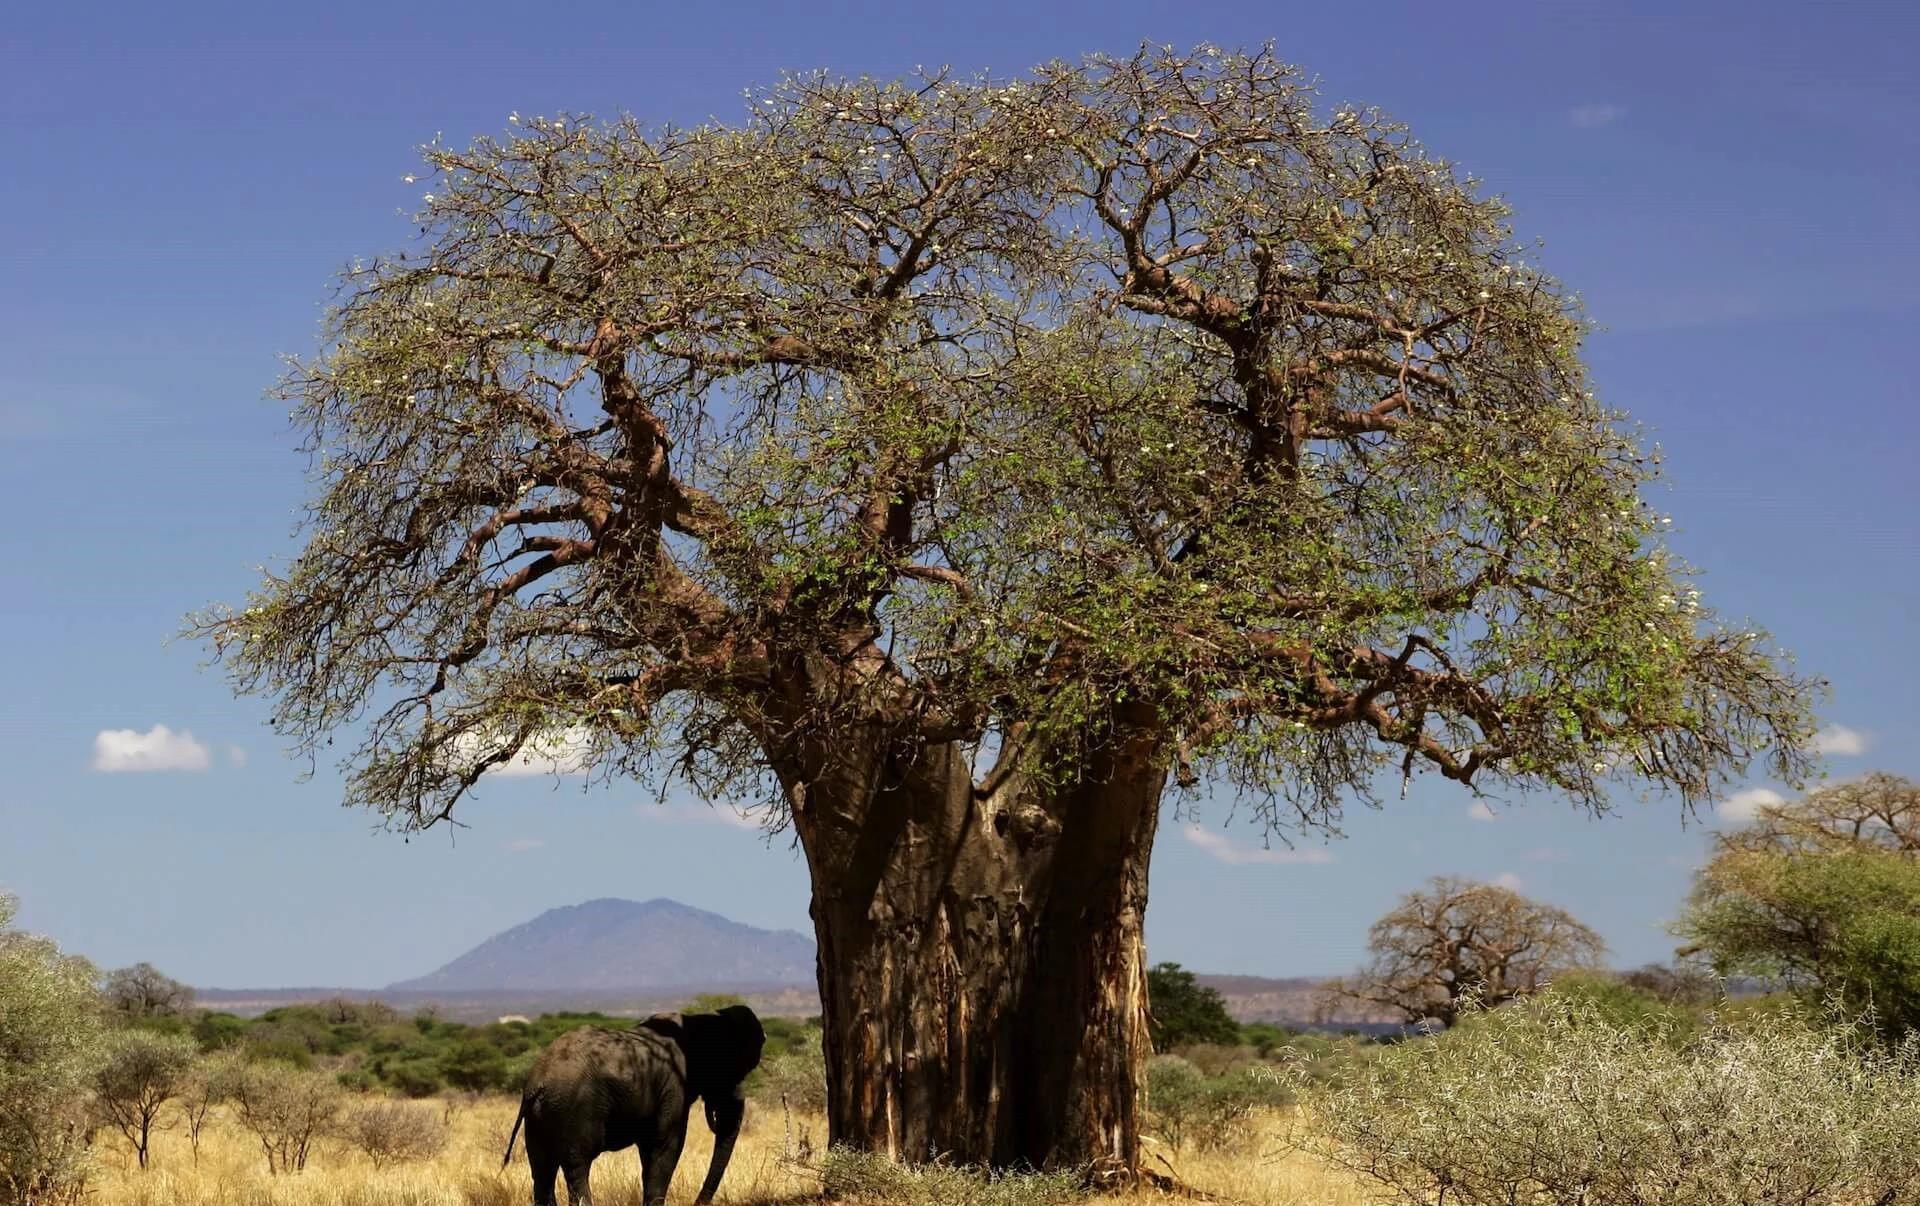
981	961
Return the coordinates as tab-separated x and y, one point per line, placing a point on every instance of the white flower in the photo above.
428	198
1051	132
407	179
513	118
1484	295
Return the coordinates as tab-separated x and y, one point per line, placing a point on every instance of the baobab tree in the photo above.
1457	944
962	466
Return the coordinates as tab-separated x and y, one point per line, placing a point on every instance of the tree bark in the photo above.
981	964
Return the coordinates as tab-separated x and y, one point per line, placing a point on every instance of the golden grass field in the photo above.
232	1172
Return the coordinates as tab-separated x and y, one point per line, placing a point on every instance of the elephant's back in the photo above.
590	1060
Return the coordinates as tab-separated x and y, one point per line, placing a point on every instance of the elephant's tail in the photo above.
514	1133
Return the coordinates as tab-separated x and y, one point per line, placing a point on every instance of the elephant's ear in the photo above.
722	1049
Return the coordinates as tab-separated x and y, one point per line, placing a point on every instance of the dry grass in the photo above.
232	1172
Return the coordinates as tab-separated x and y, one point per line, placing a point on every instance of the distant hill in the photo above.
638	957
1296	1002
624	946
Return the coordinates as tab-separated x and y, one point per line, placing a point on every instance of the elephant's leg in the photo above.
578	1192
658	1159
545	1169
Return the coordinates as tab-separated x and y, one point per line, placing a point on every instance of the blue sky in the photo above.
1731	187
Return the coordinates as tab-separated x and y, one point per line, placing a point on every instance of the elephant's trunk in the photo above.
724	1117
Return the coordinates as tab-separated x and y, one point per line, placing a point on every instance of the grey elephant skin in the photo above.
595	1090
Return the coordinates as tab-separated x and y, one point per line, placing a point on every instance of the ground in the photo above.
767	1170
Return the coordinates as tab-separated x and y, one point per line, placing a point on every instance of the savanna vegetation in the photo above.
1575	1086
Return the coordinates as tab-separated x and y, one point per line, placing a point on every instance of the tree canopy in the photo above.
1186	1011
143	991
1876	811
959	410
1823	893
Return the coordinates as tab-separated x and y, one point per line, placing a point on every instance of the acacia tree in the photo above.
957	463
1458	944
1824	893
143	1071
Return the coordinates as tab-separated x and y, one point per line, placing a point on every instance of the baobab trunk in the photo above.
981	962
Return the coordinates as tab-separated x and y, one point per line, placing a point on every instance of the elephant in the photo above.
595	1090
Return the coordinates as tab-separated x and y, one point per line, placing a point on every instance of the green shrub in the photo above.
797	1076
1183	1012
1554	1101
50	1046
414	1077
1185	1105
474	1065
214	1031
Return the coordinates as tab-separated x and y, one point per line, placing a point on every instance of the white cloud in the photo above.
694	812
566	752
236	755
1745	805
157	749
1479	811
1220	847
1592	117
1508	880
1841	740
521	845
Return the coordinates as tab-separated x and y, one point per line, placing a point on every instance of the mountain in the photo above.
625	946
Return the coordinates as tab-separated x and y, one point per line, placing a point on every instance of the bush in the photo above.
50	1045
797	1076
474	1065
1182	1011
217	1031
393	1132
1553	1102
414	1077
1187	1106
869	1177
286	1108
